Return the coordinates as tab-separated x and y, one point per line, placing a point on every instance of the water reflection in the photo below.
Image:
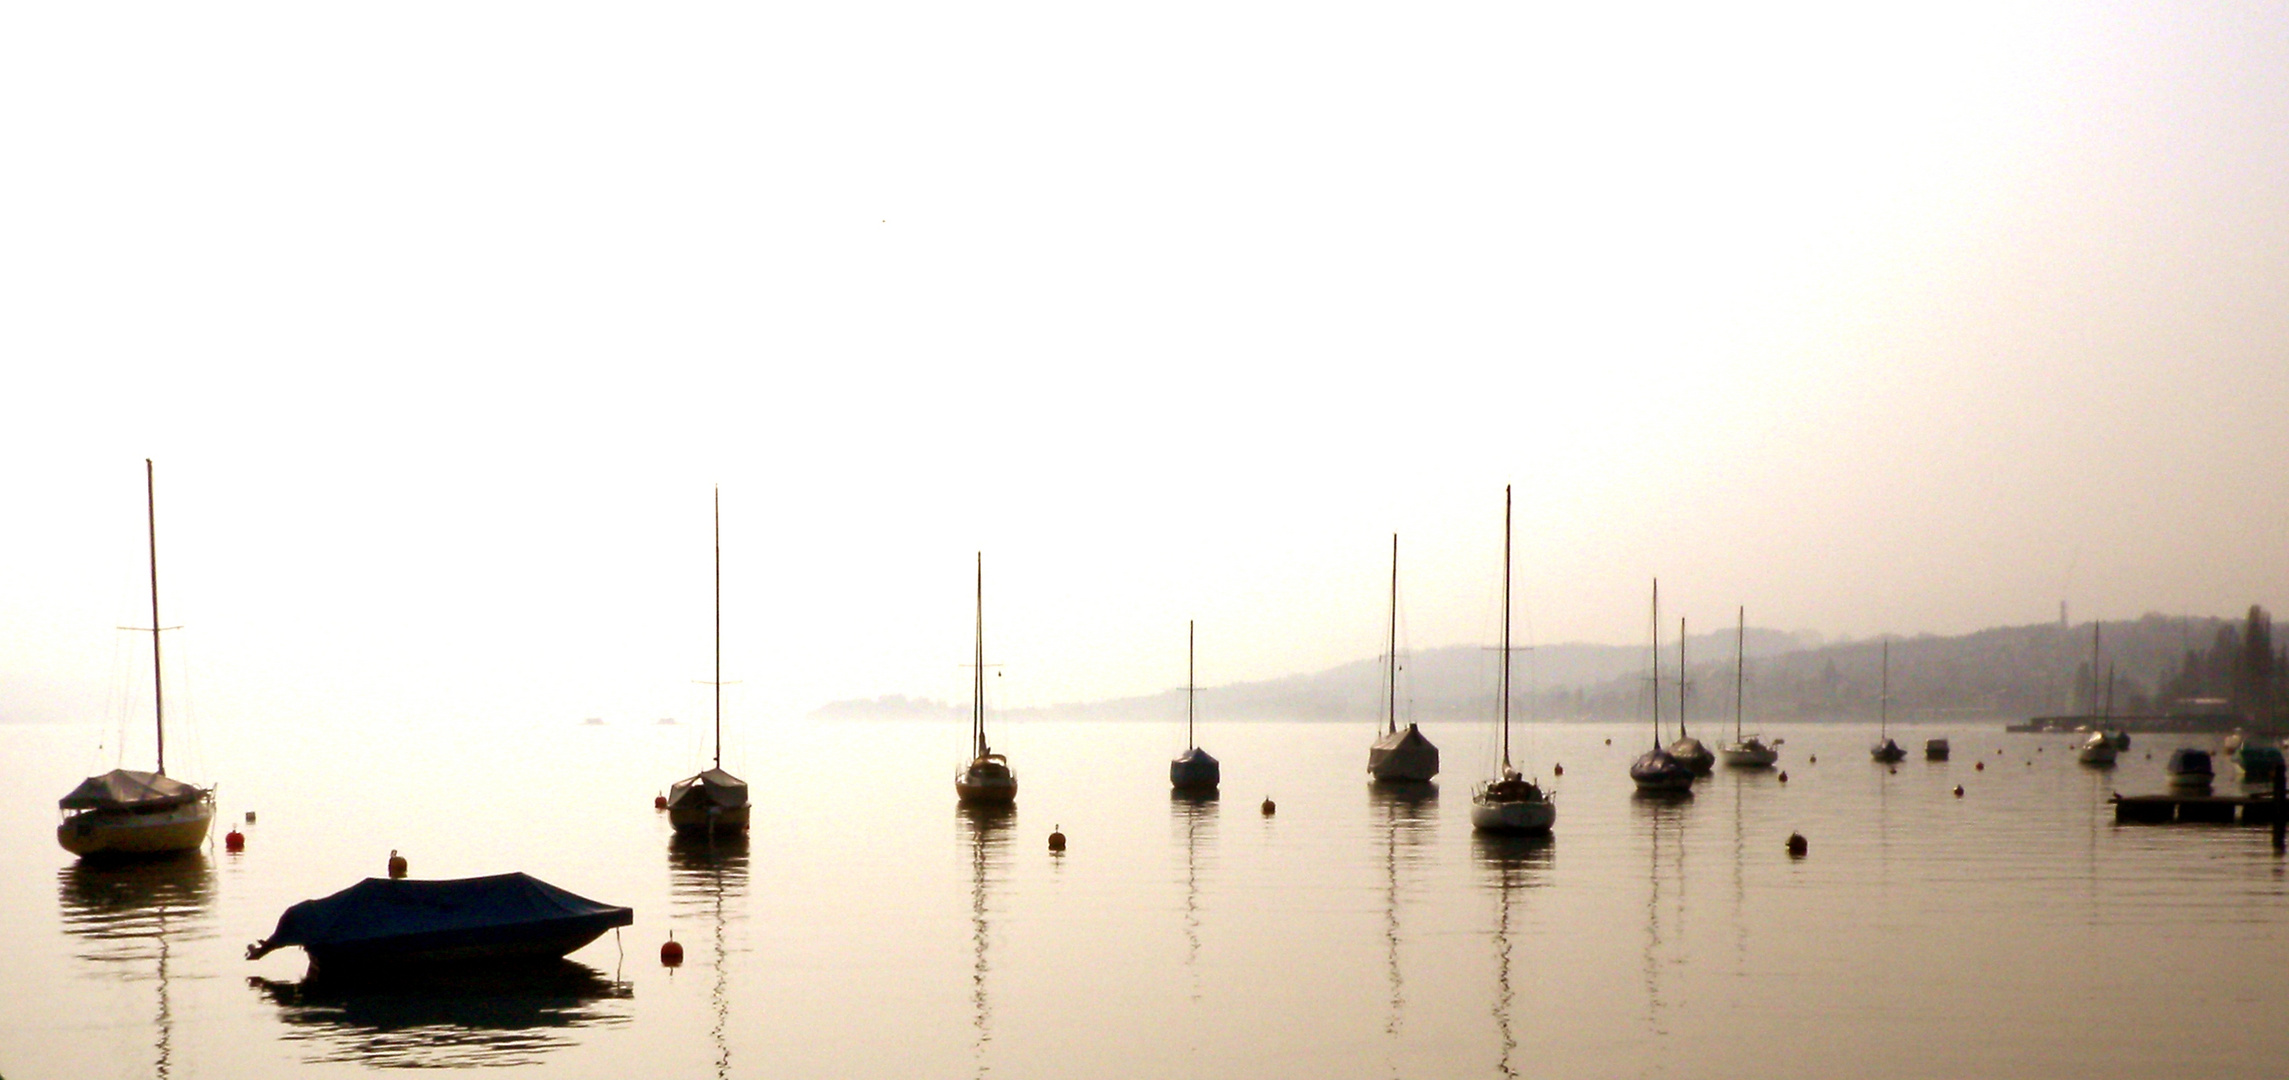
1663	820
453	1018
1518	862
1406	813
1194	813
986	828
131	916
706	872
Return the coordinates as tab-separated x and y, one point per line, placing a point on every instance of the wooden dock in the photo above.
2194	808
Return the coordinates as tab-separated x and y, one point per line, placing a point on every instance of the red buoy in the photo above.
1269	807
672	953
1784	776
234	840
659	802
1958	791
1979	767
1057	838
396	864
1798	845
1558	770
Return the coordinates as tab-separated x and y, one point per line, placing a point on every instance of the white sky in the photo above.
442	319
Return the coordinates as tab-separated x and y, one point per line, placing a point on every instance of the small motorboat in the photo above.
2098	750
1935	750
2189	768
384	924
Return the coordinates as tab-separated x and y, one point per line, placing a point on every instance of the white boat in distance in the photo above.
1745	751
1509	803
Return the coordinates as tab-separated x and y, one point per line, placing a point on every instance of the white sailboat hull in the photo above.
1748	755
127	834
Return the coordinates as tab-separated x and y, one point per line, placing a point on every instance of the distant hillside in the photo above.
2007	672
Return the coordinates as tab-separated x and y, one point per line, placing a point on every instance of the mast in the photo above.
1505	631
1884	696
2095	626
1740	667
719	628
978	676
158	699
1681	677
1188	743
1656	663
1391	651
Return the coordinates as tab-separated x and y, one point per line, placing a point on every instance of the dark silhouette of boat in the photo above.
383	924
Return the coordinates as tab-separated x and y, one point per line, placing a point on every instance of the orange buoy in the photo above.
1558	770
396	864
234	840
1057	838
1798	845
672	953
1269	806
1784	776
1958	791
659	802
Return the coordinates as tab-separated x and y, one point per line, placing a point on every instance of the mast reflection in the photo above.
1194	812
1660	816
133	914
1407	812
986	827
705	872
1517	862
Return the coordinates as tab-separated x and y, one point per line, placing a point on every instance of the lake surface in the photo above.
870	928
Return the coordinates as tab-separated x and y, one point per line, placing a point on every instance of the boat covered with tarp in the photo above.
130	812
713	801
381	923
1404	755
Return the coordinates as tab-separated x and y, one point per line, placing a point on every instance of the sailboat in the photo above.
1658	770
1195	769
714	801
1509	803
1750	751
128	813
1687	749
1398	756
988	778
1885	749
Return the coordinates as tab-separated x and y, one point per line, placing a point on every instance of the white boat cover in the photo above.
713	786
1403	755
125	789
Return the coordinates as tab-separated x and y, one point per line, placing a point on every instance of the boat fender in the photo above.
396	864
1269	807
234	840
1798	845
1057	838
672	953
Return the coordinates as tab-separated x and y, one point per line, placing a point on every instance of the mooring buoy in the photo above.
1958	791
234	840
1057	838
1269	807
396	864
1798	845
672	953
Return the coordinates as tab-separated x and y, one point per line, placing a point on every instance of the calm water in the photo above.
870	928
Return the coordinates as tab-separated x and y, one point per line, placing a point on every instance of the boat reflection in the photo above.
986	827
1407	813
131	916
1193	813
706	871
450	1018
1518	862
1663	823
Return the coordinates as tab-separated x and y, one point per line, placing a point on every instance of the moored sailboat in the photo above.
1745	751
1398	756
1885	750
1657	770
1510	803
1195	769
713	801
1687	749
128	813
988	777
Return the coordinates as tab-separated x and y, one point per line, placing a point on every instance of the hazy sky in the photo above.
442	320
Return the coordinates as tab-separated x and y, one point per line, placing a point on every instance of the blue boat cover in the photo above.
378	910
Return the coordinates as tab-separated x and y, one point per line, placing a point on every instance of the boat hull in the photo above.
1403	757
1195	771
123	834
1514	818
1660	771
987	780
708	819
1748	755
2099	753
